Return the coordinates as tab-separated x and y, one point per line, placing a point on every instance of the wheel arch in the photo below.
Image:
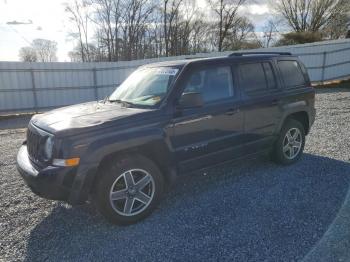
156	151
300	116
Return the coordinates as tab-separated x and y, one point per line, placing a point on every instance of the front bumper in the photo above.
49	182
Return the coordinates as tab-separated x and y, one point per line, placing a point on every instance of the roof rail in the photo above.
259	53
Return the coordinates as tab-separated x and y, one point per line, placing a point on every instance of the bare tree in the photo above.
137	29
154	35
78	11
40	50
336	28
95	55
241	35
270	33
45	50
187	23
28	54
227	15
199	36
310	15
136	14
107	16
170	15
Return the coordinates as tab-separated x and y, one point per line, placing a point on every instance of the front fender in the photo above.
120	142
108	144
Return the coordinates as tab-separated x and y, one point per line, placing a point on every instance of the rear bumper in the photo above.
48	182
312	116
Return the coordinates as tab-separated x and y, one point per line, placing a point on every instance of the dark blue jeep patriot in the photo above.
167	119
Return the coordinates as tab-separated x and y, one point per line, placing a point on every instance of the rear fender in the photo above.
292	108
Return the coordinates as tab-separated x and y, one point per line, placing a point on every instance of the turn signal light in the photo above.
66	162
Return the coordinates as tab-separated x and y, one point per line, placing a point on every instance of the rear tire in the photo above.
128	189
290	144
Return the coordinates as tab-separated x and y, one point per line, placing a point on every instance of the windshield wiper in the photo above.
123	102
105	99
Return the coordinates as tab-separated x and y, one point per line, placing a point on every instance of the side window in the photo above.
213	83
252	77
291	73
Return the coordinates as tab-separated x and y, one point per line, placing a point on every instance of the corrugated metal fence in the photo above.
39	86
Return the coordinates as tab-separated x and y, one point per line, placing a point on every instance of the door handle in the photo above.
232	111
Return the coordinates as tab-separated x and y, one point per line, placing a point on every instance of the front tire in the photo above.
290	144
128	189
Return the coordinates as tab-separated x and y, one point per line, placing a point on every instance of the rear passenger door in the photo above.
260	103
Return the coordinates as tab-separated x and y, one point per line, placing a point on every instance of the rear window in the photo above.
291	74
256	77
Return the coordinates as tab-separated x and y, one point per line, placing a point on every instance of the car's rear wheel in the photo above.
128	189
290	144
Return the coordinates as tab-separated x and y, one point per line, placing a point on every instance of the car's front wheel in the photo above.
128	189
290	144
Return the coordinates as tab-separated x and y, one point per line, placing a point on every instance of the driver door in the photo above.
210	134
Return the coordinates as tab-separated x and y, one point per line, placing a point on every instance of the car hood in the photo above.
83	115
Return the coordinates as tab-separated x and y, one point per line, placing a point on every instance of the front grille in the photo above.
34	142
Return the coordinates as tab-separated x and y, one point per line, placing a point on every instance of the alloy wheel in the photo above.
292	143
132	192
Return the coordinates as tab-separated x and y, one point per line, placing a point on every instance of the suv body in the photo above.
212	111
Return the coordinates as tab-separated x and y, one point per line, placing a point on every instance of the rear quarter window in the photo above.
291	73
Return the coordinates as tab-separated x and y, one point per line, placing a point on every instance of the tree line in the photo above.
313	20
39	50
115	30
138	29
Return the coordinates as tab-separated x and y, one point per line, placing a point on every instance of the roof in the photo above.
235	56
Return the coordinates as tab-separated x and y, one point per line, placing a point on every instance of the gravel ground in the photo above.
254	211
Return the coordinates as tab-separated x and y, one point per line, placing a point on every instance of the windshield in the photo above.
146	86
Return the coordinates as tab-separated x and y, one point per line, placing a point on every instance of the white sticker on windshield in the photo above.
167	71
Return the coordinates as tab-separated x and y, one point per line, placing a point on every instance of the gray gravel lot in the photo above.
252	211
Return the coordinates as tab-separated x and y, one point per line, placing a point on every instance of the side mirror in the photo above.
191	100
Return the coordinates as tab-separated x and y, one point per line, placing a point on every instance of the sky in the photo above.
21	21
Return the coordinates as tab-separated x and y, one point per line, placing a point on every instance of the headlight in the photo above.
48	147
